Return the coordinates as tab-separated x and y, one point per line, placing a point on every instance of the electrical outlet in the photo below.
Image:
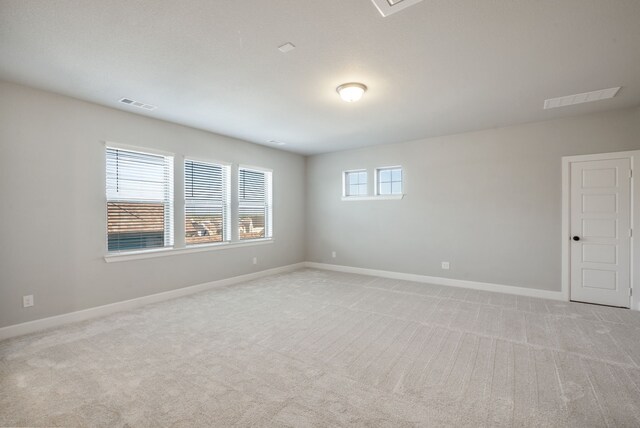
27	301
333	254
255	260
445	265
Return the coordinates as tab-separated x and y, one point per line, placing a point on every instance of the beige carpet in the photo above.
316	348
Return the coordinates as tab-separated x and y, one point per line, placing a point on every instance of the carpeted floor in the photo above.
319	348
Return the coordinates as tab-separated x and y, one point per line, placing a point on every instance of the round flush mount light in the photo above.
351	92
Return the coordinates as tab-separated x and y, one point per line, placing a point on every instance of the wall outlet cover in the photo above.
27	301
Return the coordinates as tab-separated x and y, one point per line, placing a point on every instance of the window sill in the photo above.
373	198
149	254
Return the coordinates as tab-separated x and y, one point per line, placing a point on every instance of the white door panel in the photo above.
592	204
599	278
599	253
595	178
599	228
600	209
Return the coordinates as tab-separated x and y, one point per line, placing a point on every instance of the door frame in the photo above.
634	157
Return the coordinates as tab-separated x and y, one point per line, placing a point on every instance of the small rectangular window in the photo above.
254	204
139	189
355	183
389	181
206	195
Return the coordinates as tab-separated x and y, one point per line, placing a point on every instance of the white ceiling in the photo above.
439	67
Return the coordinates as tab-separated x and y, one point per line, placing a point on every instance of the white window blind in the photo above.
355	183
389	181
139	200
254	204
207	195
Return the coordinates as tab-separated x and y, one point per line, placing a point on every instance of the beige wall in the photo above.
52	209
488	202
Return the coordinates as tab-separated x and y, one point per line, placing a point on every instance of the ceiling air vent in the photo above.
388	7
585	97
287	47
138	104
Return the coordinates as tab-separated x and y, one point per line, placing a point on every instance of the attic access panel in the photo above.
388	7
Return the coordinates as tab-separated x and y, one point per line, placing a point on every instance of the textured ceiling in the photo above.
439	67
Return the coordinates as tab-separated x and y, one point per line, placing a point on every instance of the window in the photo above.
254	204
389	181
355	183
206	195
139	200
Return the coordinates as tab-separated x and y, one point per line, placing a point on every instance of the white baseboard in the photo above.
99	311
474	285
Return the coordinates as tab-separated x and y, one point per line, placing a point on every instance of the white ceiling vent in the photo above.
277	143
287	47
138	104
586	97
387	7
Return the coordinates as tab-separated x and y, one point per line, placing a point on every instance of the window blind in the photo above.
254	204
139	189
207	196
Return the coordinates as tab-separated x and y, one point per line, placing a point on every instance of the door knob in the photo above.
576	238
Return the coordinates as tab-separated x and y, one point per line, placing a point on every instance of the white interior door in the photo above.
600	227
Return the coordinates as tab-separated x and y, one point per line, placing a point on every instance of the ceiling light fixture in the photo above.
351	92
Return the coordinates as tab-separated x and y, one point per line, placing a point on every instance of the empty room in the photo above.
329	213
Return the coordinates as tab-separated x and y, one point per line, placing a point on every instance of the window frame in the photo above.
375	196
178	226
345	183
378	170
268	206
226	208
171	200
